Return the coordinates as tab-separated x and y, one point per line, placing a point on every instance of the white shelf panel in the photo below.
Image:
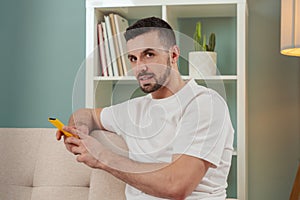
115	78
130	12
132	78
192	11
197	2
234	152
120	3
222	77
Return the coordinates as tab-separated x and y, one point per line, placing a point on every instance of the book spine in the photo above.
116	45
111	46
107	52
102	55
121	25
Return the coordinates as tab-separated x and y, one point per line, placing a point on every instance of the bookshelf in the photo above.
227	18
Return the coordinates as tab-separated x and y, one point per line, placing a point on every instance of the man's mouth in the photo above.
145	77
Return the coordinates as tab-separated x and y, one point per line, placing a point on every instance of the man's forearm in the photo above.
147	177
87	117
164	180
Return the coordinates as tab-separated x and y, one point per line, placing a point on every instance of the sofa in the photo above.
35	166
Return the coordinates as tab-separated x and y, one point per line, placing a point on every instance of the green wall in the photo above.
43	45
273	100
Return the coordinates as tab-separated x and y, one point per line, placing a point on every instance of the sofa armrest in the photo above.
112	141
111	187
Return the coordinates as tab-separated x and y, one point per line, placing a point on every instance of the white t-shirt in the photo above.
195	121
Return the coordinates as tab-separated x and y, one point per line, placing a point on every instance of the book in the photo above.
121	26
102	55
111	46
107	52
115	41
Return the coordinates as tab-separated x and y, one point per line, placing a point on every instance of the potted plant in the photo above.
203	61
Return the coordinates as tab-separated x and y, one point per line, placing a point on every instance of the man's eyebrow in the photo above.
148	49
130	56
143	52
152	49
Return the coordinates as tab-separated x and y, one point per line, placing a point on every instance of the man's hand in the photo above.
87	148
82	128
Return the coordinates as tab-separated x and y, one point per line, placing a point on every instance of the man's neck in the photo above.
172	86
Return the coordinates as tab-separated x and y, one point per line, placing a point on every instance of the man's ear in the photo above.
174	54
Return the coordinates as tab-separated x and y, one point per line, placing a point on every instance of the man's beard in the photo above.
160	81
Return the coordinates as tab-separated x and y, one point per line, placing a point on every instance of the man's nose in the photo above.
141	66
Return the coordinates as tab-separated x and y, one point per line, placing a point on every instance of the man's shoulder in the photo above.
199	92
207	91
131	102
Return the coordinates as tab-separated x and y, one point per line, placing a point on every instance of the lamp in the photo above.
290	27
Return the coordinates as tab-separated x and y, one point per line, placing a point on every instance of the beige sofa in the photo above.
35	166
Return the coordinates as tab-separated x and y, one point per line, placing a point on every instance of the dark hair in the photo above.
149	24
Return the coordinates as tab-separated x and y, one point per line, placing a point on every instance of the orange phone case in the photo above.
58	124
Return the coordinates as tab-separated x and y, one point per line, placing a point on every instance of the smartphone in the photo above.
58	124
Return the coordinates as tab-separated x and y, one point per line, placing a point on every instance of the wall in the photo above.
7	34
42	47
273	99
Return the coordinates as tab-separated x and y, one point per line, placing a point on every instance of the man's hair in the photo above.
145	25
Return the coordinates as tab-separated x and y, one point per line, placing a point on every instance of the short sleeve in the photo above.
106	117
119	118
204	128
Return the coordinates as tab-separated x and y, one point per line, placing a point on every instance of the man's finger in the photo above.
70	129
58	134
73	141
73	130
77	150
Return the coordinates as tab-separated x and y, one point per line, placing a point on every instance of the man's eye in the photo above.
149	55
132	59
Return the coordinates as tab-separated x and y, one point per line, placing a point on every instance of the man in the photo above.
179	135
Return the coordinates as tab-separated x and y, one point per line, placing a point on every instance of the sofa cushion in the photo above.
19	151
35	166
56	166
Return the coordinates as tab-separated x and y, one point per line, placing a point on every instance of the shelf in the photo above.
131	3
222	77
226	18
234	152
120	3
115	78
132	78
204	10
132	13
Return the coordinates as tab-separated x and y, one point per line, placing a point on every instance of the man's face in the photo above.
149	60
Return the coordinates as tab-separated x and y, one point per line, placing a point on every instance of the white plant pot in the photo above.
202	64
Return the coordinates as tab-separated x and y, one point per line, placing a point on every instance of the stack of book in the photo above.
112	46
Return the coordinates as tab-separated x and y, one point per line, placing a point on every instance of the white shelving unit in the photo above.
228	18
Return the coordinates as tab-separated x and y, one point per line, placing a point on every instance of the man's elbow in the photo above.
179	191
